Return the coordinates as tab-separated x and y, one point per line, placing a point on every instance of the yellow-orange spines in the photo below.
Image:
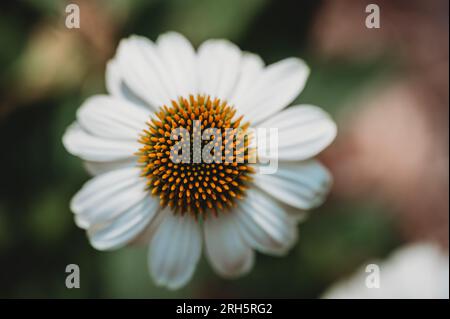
190	185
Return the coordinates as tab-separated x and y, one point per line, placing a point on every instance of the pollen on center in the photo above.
191	183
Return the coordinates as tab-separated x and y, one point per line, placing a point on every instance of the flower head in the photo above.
173	151
194	183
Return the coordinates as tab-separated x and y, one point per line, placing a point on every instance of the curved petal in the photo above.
228	253
116	86
114	80
109	117
175	250
303	185
303	131
97	168
145	237
251	68
143	71
218	68
125	227
80	143
179	59
107	196
276	87
264	225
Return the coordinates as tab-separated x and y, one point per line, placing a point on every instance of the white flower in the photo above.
417	271
138	194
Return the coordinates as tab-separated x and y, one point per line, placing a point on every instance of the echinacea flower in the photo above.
139	194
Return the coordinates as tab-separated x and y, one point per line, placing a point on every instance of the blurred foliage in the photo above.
47	73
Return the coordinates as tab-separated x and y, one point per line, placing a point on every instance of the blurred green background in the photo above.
48	70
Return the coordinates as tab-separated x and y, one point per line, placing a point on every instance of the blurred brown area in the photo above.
57	59
394	146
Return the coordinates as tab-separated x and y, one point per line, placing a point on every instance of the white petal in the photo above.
143	71
251	68
302	185
228	253
278	85
114	80
107	196
97	168
175	250
148	233
179	60
113	118
264	225
116	86
125	227
303	131
218	67
98	149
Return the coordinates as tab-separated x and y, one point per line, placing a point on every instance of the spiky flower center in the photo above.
212	170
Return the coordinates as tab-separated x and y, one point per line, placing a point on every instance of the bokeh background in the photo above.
387	88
